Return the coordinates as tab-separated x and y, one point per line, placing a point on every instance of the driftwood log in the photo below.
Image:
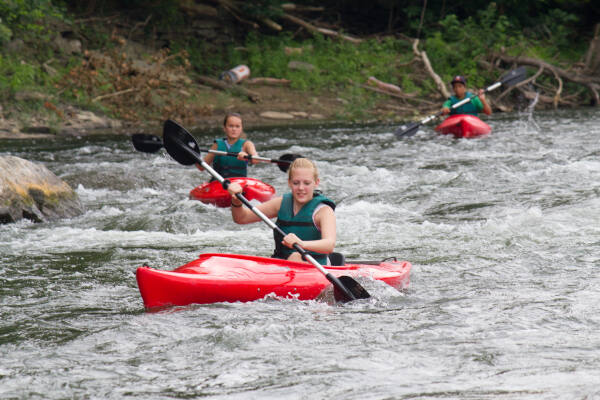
268	81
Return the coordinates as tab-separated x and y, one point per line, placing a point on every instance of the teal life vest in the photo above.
301	225
473	107
228	166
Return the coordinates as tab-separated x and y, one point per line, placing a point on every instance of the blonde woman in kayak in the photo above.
476	105
306	216
234	141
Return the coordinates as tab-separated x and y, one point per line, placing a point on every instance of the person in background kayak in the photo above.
476	105
305	215
235	142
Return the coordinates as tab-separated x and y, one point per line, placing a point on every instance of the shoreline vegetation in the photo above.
71	69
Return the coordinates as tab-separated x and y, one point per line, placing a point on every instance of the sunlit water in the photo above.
503	233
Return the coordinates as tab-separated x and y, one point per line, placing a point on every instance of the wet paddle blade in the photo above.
407	130
175	137
146	143
513	77
354	287
286	160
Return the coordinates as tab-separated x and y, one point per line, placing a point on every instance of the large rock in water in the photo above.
31	191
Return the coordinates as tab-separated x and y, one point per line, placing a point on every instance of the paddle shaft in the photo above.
334	280
468	99
248	157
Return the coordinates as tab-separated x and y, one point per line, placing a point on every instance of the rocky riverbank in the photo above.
277	106
132	88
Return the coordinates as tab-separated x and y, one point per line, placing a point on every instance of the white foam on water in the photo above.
502	233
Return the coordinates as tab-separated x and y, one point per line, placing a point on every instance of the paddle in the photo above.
182	146
151	144
511	78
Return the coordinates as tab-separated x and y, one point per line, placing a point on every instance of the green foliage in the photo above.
335	62
15	75
5	33
25	18
454	36
457	46
557	24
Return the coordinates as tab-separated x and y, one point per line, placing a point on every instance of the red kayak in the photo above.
463	125
215	278
213	192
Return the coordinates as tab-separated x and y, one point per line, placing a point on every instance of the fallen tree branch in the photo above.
387	87
530	95
191	8
314	29
120	92
138	25
253	96
374	89
295	7
92	19
269	23
399	96
591	82
558	91
438	81
522	83
234	10
269	81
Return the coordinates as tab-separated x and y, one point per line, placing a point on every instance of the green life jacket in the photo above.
228	166
473	107
301	225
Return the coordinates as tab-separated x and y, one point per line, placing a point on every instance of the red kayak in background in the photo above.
215	278
213	192
463	125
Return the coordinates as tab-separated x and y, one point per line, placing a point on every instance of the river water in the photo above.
502	231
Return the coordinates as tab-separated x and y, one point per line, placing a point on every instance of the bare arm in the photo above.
486	107
248	149
243	215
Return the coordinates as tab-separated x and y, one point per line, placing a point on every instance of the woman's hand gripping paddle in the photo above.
182	146
511	78
147	143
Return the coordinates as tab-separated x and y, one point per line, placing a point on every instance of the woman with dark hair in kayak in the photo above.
234	141
305	215
476	105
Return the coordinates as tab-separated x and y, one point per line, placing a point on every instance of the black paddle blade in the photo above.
179	142
146	143
407	130
354	287
513	77
286	160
